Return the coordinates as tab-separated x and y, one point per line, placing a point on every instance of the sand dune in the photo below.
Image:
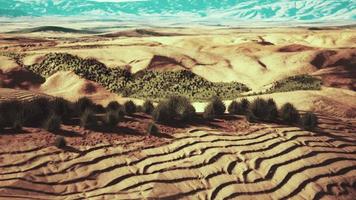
217	160
254	57
266	161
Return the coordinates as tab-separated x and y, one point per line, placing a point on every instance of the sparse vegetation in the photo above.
299	82
144	84
289	114
309	121
152	129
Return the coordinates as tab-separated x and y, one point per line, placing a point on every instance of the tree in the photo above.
130	107
309	121
289	113
148	107
272	110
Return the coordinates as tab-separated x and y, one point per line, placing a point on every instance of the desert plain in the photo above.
228	157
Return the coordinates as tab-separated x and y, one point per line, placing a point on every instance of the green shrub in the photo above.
162	113
181	108
112	118
130	107
258	110
272	110
218	105
298	82
37	111
148	107
53	123
60	142
113	105
309	121
289	113
236	108
245	103
143	84
152	129
209	112
84	104
12	112
61	108
88	119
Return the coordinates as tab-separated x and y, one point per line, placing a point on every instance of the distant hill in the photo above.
53	29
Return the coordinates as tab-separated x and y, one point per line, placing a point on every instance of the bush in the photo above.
130	107
234	108
218	105
98	108
83	104
245	103
181	108
112	118
258	110
60	142
272	110
175	108
88	119
162	113
113	105
37	111
309	121
298	82
152	129
53	123
61	108
209	112
148	107
289	113
12	114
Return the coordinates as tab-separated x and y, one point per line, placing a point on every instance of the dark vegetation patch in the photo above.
299	82
53	29
144	84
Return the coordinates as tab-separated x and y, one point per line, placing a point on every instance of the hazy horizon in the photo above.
226	13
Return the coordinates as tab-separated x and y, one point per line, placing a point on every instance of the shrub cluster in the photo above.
215	108
239	108
144	84
175	108
148	107
114	113
289	114
309	121
299	82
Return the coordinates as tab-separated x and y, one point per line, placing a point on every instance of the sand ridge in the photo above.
271	161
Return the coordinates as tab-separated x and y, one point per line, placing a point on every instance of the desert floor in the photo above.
228	158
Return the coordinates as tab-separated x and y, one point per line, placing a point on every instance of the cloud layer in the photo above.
191	10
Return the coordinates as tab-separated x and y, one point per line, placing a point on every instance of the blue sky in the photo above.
202	10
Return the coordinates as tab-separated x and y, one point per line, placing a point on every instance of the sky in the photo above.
186	11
